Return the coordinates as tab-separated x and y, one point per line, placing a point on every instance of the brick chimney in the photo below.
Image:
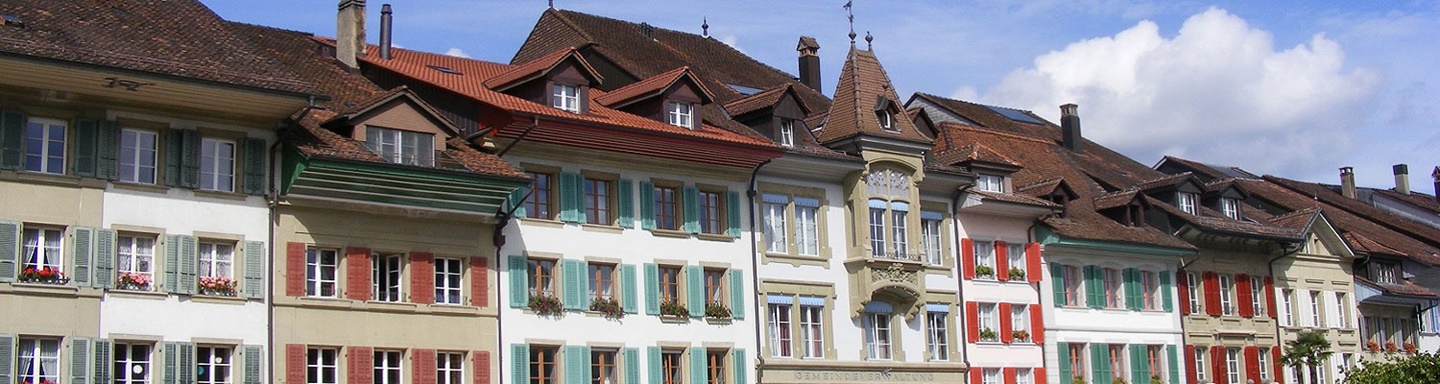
1402	179
809	62
350	32
1070	127
1347	182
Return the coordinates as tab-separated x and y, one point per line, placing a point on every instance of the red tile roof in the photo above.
862	87
539	67
653	85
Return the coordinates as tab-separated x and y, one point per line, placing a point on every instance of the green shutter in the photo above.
698	373
575	369
86	134
740	365
572	194
1099	361
1139	364
647	205
625	203
1094	296
253	357
1174	364
737	294
172	264
189	262
695	289
7	356
1057	283
104	263
255	269
1067	375
516	200
187	363
574	285
80	360
1133	300
519	363
255	153
190	159
629	300
652	355
172	363
691	206
80	255
9	250
12	139
519	282
732	210
652	289
101	362
1165	291
174	156
632	365
108	154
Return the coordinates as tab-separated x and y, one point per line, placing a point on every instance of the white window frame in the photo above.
930	237
990	376
47	127
133	255
1150	291
886	121
776	228
985	256
450	367
989	318
387	277
1227	295
1187	202
1024	376
680	113
315	268
1232	364
565	97
1020	319
215	168
787	132
878	336
1200	366
449	281
1315	319
900	239
215	358
877	232
132	164
1340	305
216	259
1015	255
320	361
1257	296
1265	365
1287	307
387	363
807	230
37	353
990	183
39	251
937	332
779	326
1230	207
812	331
126	361
401	146
1113	282
1192	283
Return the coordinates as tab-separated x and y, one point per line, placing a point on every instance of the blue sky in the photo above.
1291	88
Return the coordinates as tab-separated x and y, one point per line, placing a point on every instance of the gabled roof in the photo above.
1210	221
765	99
1427	234
1169	181
182	39
862	90
400	93
539	67
974	153
652	86
1044	187
1206	171
1407	288
1117	199
1361	234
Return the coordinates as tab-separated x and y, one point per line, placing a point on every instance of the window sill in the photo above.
797	260
142	187
670	233
59	180
220	194
719	320
46	289
389	306
542	222
715	237
152	295
218	299
602	228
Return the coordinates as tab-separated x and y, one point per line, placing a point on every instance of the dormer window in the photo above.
787	132
1386	273
990	183
1186	202
1136	215
887	122
1230	207
681	114
402	147
566	97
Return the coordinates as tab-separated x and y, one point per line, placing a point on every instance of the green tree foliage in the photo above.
1309	350
1419	368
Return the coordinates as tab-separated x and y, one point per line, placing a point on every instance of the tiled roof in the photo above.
343	87
1407	288
862	86
1421	200
1115	199
1211	171
1325	194
1362	234
1299	220
654	84
1210	220
763	99
808	42
1165	181
1364	244
1015	198
539	67
173	38
1039	188
974	152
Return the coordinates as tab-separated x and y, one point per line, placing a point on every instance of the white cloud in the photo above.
456	52
732	41
1217	91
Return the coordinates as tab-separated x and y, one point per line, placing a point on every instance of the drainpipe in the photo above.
272	200
1039	297
960	285
755	274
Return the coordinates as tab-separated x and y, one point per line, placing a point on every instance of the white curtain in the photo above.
32	247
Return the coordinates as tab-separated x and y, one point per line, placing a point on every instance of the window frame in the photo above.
787	132
886	120
399	146
716	285
1197	292
1187	202
55	261
1118	364
1200	366
715	367
879	337
713	211
127	258
541	202
543	364
669	286
1265	364
213	164
1230	207
1232	364
131	166
778	324
449	367
1073	285
668	215
990	183
387	362
603	365
226	364
1078	359
812	331
541	276
1257	296
316	364
1226	284
680	113
47	126
985	257
777	225
315	268
988	318
1150	291
937	336
931	237
1113	287
672	366
444	276
37	357
599	201
124	357
1015	258
387	277
566	97
600	281
212	261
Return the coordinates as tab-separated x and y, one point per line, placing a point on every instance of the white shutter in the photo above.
1302	298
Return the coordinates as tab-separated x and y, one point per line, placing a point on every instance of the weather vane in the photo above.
851	14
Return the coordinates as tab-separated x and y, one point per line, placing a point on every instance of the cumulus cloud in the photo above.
456	52
1219	91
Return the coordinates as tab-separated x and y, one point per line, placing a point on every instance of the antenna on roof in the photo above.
705	27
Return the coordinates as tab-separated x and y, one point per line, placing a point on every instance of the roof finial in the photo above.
868	40
552	4
705	27
851	14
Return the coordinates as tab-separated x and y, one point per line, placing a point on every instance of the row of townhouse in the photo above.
627	203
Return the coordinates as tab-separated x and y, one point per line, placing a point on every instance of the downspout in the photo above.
272	200
535	123
960	284
755	274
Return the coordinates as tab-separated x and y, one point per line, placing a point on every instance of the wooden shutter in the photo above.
172	363
108	153
695	289
1006	325
174	157
690	201
255	269
972	321
572	197
967	257
1182	283
480	282
631	357
576	371
740	365
647	205
1133	300
1139	365
1057	283
654	370
295	360
252	359
1067	375
1032	259
80	255
102	361
187	363
357	273
80	355
9	250
189	263
1270	297
629	297
1243	297
295	254
732	212
570	275
1037	324
1212	293
1217	363
12	139
698	373
1252	363
1165	296
1100	361
360	364
86	135
190	159
625	203
1094	287
519	364
737	294
1191	375
254	150
103	266
422	278
1174	364
1037	375
977	375
1279	368
1007	375
652	289
519	282
1002	261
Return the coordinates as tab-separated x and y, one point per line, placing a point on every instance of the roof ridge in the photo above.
1040	183
994	131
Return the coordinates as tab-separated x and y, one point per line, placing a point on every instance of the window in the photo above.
990	183
1200	356
42	249
1071	275
670	367
1150	291
1230	207
385	281
1020	320
213	364
779	228
134	262
542	277
877	228
1015	253
877	335
776	237
1386	273
132	363
1287	307
1077	358
45	145
447	281
217	260
1024	376
602	367
985	257
1192	284
937	335
566	97
1342	317
1112	288
1186	202
1117	361
1257	296
669	284
602	282
681	114
450	368
779	330
807	230
542	188
1265	365
667	201
812	328
320	267
39	360
402	147
597	201
1155	360
900	239
387	367
989	322
990	376
787	132
715	287
1315	320
1232	365
930	237
1227	295
886	121
711	212
217	165
542	365
321	366
715	366
137	156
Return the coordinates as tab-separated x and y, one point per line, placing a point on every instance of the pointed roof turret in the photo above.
865	103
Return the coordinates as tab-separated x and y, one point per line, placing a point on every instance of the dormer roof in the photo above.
977	155
539	67
863	89
400	94
656	85
765	99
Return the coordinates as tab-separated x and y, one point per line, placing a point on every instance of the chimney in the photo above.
1402	179
1070	127
350	32
809	62
1347	181
1436	177
385	25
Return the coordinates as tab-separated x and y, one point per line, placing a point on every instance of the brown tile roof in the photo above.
760	100
974	152
1212	221
538	67
1039	188
172	38
1165	181
1115	199
1421	200
862	87
654	84
1210	171
1407	288
1325	194
1299	220
343	87
808	42
1015	199
1360	243
1363	235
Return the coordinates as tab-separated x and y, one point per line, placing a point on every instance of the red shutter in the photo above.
972	321
1009	375
1217	361
422	278
1006	327
967	258
357	273
481	361
1182	280
423	361
1039	376
1252	363
479	281
1270	296
1037	324
975	375
1002	261
1279	368
1212	294
360	365
295	271
1243	294
1189	360
295	361
1032	262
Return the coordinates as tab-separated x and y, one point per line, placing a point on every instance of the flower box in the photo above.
546	305
217	286
673	308
1017	274
717	311
984	271
133	281
1020	335
988	334
44	275
608	307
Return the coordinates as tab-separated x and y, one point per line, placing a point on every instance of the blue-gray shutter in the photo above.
80	360
695	289
174	157
575	369
741	366
104	265
189	262
255	150
252	359
108	154
647	205
172	264
7	356
698	373
732	211
652	289
9	250
625	203
172	363
187	363
652	356
573	284
572	192
102	361
190	159
86	132
1175	363
691	203
737	294
519	282
516	200
632	365
254	269
629	299
519	363
12	139
80	255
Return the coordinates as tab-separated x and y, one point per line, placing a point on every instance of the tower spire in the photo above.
851	14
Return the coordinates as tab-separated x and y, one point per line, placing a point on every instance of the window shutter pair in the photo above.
12	139
574	284
180	363
572	197
1182	282
1165	295
698	371
519	281
629	298
1006	326
625	203
695	290
1032	260
1244	296
1067	375
1212	293
519	363
182	158
967	258
1002	261
690	205
1057	283
652	289
1140	363
1094	287
1100	361
254	279
577	364
647	205
181	262
632	365
1133	299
